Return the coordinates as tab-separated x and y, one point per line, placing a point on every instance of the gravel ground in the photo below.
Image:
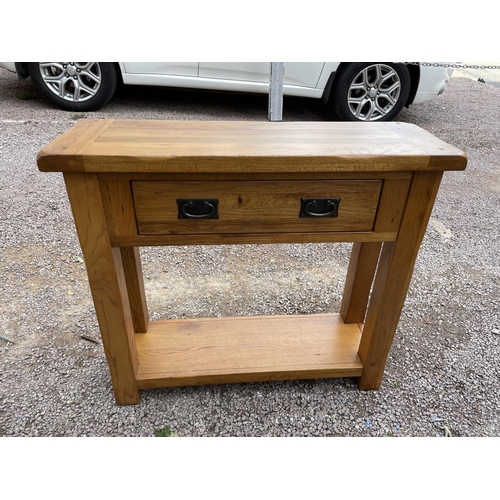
443	367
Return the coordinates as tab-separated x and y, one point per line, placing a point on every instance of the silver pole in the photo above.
277	70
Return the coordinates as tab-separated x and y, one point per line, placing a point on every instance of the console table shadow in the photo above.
134	183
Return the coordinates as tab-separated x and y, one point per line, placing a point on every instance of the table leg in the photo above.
107	284
362	266
135	287
393	277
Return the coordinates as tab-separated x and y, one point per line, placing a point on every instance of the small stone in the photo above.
496	331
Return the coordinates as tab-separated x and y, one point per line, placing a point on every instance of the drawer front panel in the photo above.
256	206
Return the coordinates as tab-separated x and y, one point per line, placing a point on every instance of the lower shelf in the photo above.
247	349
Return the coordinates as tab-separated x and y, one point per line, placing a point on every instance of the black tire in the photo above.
95	84
370	92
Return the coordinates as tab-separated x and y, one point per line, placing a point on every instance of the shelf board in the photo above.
247	349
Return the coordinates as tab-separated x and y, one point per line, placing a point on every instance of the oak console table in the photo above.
137	183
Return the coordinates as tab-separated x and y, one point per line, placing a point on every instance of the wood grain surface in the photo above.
393	277
107	283
247	349
219	146
255	206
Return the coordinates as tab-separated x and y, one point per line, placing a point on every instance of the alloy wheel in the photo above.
374	92
72	81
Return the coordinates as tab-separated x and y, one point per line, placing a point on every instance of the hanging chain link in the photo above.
452	65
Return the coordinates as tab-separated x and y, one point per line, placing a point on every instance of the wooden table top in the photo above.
246	147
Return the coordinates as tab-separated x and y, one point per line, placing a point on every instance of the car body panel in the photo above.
216	84
161	68
433	80
302	74
11	66
300	79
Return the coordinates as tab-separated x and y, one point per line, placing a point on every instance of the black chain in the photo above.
454	66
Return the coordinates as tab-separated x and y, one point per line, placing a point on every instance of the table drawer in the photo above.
163	207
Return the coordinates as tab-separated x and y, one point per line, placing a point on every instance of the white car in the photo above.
356	91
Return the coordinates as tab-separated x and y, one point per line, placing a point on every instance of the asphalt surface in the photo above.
442	373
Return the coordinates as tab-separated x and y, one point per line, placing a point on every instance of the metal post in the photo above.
277	70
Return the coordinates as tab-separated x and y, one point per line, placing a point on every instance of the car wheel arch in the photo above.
414	70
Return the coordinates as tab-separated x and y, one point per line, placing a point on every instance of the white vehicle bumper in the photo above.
11	66
433	82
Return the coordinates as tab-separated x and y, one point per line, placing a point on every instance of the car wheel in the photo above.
75	86
370	92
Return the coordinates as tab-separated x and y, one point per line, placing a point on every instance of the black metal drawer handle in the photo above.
319	207
198	209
